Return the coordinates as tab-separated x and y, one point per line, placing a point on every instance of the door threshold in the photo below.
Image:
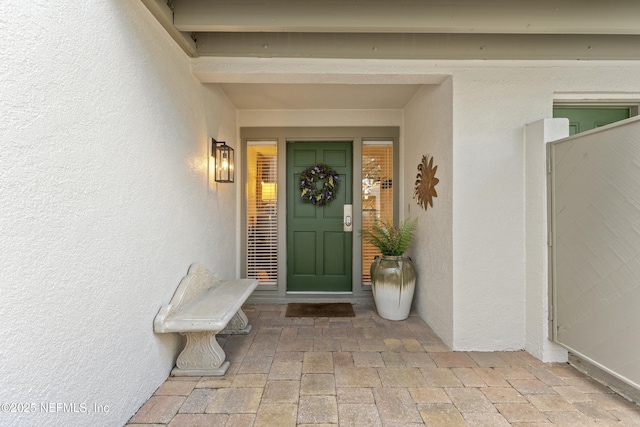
318	293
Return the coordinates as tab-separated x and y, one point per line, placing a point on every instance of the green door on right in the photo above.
582	119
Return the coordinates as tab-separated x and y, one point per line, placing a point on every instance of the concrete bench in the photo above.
203	306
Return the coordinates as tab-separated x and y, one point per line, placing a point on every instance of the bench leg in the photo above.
201	356
239	324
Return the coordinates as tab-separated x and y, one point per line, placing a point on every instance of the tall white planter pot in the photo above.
393	282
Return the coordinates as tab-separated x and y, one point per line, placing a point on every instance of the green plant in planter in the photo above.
389	239
393	277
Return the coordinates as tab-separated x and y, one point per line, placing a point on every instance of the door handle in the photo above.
348	222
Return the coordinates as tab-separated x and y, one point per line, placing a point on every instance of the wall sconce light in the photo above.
224	162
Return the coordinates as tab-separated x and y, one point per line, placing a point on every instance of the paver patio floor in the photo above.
367	371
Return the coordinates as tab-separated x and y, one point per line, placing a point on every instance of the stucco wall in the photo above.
492	104
105	203
428	131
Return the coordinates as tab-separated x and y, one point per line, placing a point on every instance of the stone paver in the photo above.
342	359
418	360
198	420
318	384
158	409
441	415
521	413
198	401
177	387
531	386
470	400
429	395
249	380
572	394
485	419
396	406
393	359
450	359
491	377
355	395
401	377
367	359
440	377
235	401
594	411
503	395
270	415
359	414
317	362
256	365
469	377
550	402
368	371
487	359
285	371
317	410
240	420
357	377
281	392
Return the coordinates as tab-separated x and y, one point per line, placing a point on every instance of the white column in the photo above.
537	135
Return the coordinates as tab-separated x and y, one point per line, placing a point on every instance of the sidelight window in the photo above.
262	212
377	193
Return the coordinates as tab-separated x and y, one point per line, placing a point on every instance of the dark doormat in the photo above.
339	309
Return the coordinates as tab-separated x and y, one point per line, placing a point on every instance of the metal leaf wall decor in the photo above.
425	183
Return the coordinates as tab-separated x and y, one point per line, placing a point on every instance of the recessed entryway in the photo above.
302	251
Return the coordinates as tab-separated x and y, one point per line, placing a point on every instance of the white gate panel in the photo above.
595	219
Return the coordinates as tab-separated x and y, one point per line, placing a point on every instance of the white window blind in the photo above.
377	194
262	212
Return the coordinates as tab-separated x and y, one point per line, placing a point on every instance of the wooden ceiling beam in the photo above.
419	46
164	15
617	17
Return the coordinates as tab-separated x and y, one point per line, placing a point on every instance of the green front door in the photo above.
582	119
319	251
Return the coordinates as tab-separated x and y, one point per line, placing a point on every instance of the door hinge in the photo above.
550	239
548	165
